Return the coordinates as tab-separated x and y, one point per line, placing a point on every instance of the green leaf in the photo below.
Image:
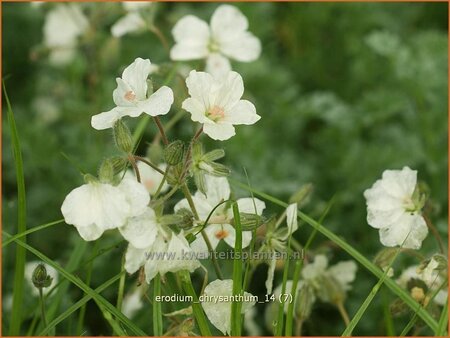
16	314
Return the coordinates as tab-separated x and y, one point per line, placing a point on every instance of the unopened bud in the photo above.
122	136
187	218
305	301
174	152
106	171
40	278
174	175
118	163
301	197
249	221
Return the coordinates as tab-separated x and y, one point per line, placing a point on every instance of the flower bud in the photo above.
174	152
301	197
174	175
214	169
40	278
249	221
122	137
187	218
305	301
384	257
118	164
106	171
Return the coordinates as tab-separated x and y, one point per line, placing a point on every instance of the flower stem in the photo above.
188	196
135	167
150	164
158	191
157	314
121	285
435	233
343	313
161	130
41	300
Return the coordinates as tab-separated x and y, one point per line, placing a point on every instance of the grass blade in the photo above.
196	306
78	305
86	289
16	314
237	274
392	285
443	320
30	231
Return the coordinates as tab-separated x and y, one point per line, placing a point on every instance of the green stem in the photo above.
158	191
150	164
188	196
121	289
157	312
41	300
196	307
161	130
237	275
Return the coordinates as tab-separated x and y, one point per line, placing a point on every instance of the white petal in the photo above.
99	204
135	5
219	131
244	47
141	231
136	195
158	103
90	233
134	259
200	87
409	232
344	273
243	112
248	205
192	37
199	245
155	264
107	119
184	258
291	217
230	239
218	66
270	274
399	183
313	270
151	178
201	204
227	22
230	91
217	189
196	108
135	75
132	22
132	302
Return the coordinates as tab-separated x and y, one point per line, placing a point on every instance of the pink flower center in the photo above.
216	113
149	184
221	234
130	96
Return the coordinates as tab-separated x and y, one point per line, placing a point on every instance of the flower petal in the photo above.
230	91
217	189
132	22
243	112
90	233
196	108
141	231
244	47
344	273
251	205
200	86
136	194
158	103
291	217
192	37
219	131
227	21
135	75
134	259
270	275
218	66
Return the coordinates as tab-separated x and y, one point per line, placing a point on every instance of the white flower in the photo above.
130	97
217	104
132	302
132	21
226	37
218	310
29	269
63	25
150	178
218	190
342	273
95	207
156	247
391	208
291	218
251	322
430	276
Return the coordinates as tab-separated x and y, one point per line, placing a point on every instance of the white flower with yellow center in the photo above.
217	191
217	104
225	38
130	97
155	247
392	208
62	27
217	303
95	207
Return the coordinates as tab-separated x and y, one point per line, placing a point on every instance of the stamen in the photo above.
216	113
221	234
130	96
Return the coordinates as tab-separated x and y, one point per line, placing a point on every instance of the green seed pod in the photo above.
40	278
249	221
174	152
122	137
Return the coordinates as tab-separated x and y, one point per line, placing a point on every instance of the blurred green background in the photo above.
345	91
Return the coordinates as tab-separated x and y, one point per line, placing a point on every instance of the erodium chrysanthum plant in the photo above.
186	227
